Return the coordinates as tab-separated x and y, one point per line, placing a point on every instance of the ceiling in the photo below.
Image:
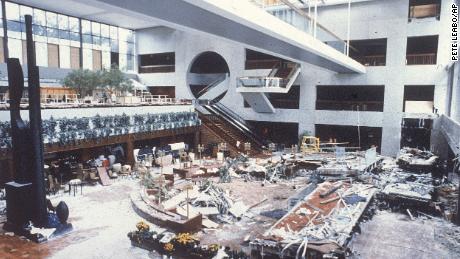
88	10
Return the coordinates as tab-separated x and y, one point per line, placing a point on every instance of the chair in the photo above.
52	188
93	177
112	175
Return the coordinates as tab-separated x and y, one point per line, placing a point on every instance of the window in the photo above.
12	11
74	58
418	98
63	22
369	52
350	97
106	60
422	50
14	29
130	62
113	32
64	38
74	24
64	56
157	63
105	30
53	35
419	9
85	27
41	51
24	52
123	61
25	10
97	60
96	28
65	35
87	58
15	49
51	20
53	55
114	58
2	53
39	17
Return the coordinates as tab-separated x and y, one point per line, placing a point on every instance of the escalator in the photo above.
229	126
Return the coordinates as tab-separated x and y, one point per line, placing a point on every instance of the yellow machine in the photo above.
310	144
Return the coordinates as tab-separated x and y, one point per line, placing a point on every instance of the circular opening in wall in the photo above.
209	76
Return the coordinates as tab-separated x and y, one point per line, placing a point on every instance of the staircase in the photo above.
279	80
229	128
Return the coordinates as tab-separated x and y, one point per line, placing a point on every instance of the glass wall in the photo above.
58	38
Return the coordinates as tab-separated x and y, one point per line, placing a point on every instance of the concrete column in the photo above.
129	152
85	154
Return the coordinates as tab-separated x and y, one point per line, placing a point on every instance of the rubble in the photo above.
311	223
416	160
321	217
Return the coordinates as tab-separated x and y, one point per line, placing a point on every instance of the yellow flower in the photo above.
168	247
142	226
185	238
214	247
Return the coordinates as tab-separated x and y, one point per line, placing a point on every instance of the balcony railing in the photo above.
349	105
157	69
59	98
101	102
257	81
376	60
421	59
424	11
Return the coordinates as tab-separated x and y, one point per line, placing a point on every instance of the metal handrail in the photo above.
421	59
241	124
213	84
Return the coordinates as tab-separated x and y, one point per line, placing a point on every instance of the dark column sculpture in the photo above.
35	119
18	192
26	197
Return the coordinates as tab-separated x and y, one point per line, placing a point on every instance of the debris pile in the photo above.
337	191
323	222
416	160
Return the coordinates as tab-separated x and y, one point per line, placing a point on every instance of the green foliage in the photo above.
83	81
114	80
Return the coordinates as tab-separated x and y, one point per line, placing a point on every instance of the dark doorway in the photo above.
277	132
350	97
368	136
422	50
416	133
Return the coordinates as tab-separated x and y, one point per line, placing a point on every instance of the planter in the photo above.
149	245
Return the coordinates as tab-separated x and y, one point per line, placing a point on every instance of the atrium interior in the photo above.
240	129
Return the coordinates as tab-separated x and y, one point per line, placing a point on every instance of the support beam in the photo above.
130	152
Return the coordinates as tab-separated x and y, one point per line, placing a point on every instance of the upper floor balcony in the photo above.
424	9
422	50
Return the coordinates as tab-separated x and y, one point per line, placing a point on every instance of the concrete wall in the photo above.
373	19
